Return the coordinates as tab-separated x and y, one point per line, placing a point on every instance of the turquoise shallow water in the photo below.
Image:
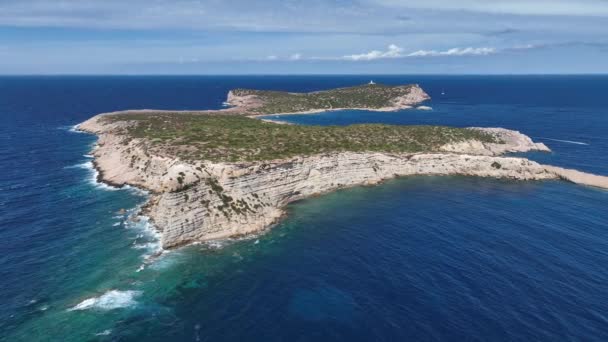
419	258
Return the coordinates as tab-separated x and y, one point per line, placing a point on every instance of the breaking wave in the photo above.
113	299
93	175
72	129
104	333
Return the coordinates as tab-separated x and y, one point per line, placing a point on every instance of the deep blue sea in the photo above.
416	258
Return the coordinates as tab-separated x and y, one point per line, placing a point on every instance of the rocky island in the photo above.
223	173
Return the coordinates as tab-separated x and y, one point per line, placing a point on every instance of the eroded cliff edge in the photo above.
197	196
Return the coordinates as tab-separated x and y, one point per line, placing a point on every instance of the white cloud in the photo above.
393	51
469	51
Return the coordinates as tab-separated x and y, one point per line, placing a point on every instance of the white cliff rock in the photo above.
512	141
259	191
202	200
205	200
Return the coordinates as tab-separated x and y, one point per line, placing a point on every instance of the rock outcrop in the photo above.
230	200
511	142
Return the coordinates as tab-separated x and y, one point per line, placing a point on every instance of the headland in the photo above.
223	173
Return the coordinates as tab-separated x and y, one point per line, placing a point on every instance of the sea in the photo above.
413	259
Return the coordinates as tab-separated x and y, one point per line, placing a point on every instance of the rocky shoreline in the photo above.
193	201
222	200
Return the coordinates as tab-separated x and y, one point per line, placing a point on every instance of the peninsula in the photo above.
223	173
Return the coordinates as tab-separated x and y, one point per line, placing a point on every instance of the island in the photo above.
217	174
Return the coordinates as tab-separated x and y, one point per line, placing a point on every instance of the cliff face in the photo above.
229	200
202	200
512	141
195	201
415	96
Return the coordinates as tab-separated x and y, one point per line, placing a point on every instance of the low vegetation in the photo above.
364	96
235	138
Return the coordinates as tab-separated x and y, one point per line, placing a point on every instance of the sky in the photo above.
303	37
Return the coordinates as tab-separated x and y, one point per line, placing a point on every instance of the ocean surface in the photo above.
416	258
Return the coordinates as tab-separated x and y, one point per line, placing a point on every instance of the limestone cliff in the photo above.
195	200
228	200
206	200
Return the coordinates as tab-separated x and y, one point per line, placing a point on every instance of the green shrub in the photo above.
221	137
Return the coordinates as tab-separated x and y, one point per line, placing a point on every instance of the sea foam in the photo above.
113	299
93	174
73	129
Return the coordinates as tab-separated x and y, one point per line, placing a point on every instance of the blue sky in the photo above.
303	37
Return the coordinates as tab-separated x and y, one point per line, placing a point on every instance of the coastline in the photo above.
179	228
138	214
194	210
326	110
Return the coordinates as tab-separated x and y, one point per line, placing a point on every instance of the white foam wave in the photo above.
141	223
93	175
104	333
565	141
163	260
116	224
74	129
136	190
113	299
215	244
86	165
149	245
147	239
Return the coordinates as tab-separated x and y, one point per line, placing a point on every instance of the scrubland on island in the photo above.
223	138
225	173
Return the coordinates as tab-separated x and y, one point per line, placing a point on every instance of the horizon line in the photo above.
303	74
